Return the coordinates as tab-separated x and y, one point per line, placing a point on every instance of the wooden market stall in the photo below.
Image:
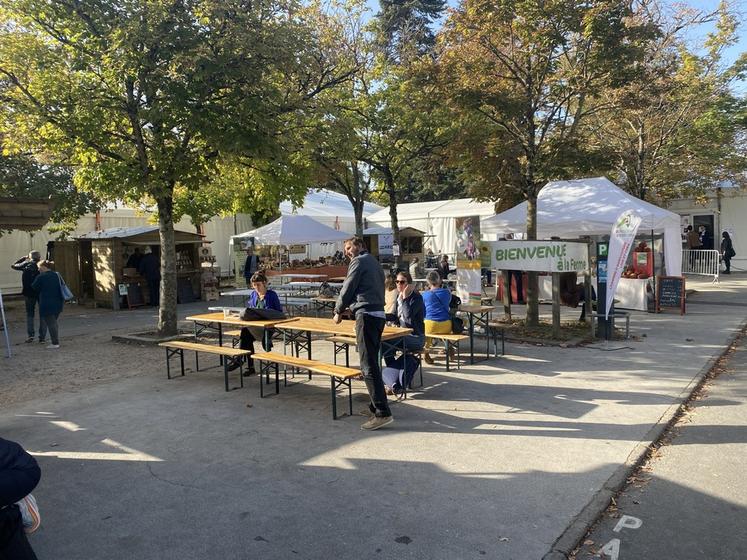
379	243
104	277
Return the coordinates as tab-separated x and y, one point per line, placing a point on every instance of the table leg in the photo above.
220	343
471	338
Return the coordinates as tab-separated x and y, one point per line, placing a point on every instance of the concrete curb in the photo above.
571	537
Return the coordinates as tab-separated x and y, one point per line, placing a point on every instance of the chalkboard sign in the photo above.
134	295
671	293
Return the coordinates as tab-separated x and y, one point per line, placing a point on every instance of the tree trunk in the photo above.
532	295
167	308
357	200
391	190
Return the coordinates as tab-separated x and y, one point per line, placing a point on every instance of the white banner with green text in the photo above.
540	256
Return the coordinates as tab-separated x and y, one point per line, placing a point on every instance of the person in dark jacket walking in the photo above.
47	285
727	251
19	475
150	269
363	293
29	267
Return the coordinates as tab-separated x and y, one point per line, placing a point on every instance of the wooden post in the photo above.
556	305
506	293
587	287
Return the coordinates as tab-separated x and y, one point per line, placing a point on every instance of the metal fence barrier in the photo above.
704	262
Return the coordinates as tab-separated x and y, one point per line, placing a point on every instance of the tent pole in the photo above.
653	262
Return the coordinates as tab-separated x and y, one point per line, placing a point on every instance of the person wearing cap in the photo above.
29	268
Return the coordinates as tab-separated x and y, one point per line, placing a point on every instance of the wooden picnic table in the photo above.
323	302
299	331
215	321
477	315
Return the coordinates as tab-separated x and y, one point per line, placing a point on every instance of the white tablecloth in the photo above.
630	293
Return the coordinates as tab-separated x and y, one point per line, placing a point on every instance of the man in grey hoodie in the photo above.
363	293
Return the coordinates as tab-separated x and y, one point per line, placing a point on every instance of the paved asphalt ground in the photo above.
690	500
513	458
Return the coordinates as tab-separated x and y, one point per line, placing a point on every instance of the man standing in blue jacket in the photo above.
29	268
363	293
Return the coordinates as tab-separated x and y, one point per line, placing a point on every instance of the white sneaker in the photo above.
53	346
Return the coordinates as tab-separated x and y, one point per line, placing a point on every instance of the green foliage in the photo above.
675	130
521	76
22	177
404	27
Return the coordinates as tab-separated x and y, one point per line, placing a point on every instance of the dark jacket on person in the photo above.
363	289
251	265
134	261
29	271
47	286
19	473
409	312
571	292
726	247
149	267
437	304
443	269
271	301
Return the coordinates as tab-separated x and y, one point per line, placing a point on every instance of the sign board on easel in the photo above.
4	324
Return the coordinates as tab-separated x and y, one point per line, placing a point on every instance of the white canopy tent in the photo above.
437	219
292	230
329	208
590	207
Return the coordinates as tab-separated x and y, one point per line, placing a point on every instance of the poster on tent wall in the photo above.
469	279
622	237
386	245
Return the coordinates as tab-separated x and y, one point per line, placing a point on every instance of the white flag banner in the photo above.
621	240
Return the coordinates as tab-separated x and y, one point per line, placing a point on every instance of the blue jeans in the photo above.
30	309
368	331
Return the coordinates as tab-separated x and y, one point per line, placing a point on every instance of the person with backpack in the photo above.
48	286
29	267
727	251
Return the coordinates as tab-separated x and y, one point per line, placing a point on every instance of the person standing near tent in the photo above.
363	293
29	267
693	243
251	266
727	251
150	269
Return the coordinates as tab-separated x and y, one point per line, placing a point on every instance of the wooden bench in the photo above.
231	355
451	341
342	344
339	376
496	327
616	314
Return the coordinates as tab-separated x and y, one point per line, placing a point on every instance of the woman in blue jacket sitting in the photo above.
260	298
47	285
437	314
